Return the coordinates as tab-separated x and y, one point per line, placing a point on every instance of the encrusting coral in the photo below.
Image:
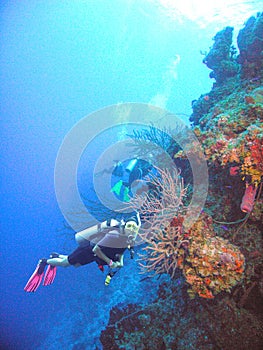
212	264
226	146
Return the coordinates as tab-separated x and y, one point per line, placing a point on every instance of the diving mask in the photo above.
132	226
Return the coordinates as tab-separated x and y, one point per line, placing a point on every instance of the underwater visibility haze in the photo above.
181	83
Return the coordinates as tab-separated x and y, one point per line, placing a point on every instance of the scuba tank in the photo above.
130	167
89	233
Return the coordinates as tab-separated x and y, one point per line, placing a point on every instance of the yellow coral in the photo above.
250	169
234	156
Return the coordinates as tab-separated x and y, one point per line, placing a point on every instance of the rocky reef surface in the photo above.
220	313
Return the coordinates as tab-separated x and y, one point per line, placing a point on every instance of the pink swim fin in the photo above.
36	278
50	275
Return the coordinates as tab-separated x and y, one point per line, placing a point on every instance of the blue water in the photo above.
60	61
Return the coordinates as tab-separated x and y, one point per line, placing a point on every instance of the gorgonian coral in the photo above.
165	250
161	209
209	263
162	202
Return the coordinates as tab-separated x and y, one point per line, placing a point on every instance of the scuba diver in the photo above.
104	244
127	178
135	171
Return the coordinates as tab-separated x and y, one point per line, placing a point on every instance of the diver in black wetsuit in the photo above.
104	244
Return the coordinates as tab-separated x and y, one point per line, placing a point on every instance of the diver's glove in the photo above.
114	264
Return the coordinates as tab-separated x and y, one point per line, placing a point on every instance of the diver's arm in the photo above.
99	253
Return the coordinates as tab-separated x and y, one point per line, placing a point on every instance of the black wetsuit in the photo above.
111	245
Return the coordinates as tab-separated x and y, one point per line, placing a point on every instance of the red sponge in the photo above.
248	199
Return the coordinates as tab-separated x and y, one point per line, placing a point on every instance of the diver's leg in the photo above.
81	241
81	256
61	260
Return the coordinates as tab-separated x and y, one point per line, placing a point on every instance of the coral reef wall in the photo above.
228	122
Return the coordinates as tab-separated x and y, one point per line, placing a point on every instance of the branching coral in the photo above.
151	140
163	201
210	264
161	231
165	251
157	143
